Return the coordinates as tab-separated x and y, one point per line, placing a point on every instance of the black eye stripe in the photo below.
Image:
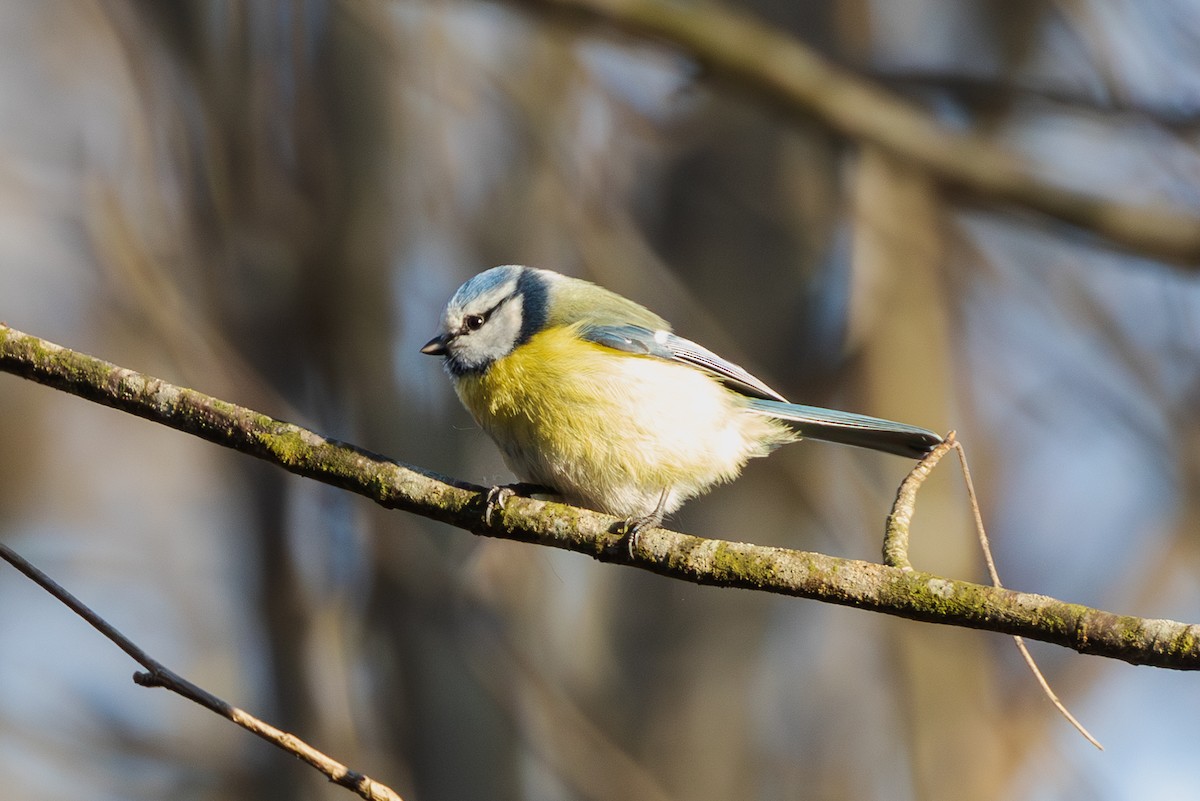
531	292
473	322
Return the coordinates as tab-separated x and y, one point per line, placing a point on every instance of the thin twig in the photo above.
895	549
158	675
991	566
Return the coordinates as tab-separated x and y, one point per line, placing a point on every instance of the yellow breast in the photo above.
610	430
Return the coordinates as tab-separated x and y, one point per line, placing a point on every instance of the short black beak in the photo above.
435	346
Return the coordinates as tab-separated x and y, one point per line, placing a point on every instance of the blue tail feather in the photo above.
848	428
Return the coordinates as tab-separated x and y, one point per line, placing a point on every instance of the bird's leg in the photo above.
635	525
498	495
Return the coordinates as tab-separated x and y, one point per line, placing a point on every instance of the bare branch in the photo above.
850	582
792	77
158	675
895	551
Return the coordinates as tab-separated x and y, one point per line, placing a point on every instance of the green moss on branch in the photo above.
849	582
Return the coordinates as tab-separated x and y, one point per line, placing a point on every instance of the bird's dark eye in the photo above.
474	322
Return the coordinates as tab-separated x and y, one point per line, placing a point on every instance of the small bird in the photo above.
590	396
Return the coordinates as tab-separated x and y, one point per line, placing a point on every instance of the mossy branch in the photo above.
794	79
849	582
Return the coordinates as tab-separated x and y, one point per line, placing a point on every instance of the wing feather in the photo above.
813	422
664	345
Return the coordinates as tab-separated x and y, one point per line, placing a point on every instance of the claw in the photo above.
633	530
498	495
496	498
634	526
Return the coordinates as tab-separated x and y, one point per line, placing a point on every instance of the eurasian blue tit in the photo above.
592	396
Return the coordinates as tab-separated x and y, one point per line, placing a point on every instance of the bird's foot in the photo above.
498	495
634	526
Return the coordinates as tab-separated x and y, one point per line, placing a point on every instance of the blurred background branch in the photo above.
760	60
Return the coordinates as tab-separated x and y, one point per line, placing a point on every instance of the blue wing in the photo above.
812	422
665	345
